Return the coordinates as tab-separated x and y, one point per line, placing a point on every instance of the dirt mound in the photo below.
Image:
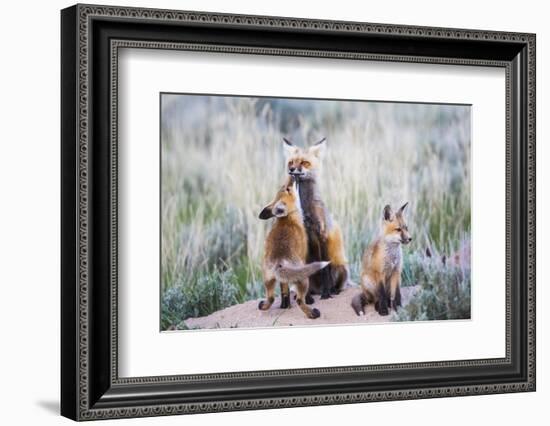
336	310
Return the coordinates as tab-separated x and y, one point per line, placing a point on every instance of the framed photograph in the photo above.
263	212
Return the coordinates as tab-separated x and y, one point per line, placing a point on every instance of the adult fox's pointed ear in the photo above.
402	209
266	213
290	148
318	149
388	213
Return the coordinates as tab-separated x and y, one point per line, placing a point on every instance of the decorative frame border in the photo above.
118	44
85	14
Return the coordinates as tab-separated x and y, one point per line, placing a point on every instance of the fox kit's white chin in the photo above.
393	239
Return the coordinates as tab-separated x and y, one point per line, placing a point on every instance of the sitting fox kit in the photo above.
325	242
286	251
382	265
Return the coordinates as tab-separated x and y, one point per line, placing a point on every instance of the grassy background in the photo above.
222	161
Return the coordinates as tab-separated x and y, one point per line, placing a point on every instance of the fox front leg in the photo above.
397	297
264	305
327	279
381	304
395	291
321	281
326	283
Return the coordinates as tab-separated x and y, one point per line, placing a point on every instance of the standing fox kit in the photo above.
325	242
286	251
382	265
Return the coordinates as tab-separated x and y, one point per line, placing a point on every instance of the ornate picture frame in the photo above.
91	37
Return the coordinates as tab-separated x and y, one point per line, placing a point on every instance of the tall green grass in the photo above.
222	161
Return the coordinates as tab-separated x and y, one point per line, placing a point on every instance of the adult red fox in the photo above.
382	265
286	251
325	241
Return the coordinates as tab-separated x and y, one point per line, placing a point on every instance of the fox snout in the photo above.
295	171
406	239
404	234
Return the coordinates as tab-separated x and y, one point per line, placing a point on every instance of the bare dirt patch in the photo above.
336	310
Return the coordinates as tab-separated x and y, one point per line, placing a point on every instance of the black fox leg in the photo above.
321	282
285	296
301	291
382	300
264	305
327	281
395	292
340	277
314	282
397	299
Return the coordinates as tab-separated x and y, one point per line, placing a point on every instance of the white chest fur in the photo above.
392	258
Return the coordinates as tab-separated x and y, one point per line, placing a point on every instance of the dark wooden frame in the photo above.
90	38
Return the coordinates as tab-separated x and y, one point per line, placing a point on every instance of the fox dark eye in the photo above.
398	229
306	163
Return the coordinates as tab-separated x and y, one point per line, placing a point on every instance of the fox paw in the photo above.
315	313
263	305
383	311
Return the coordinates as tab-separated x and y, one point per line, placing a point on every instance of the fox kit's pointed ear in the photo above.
388	213
402	209
319	148
266	213
289	147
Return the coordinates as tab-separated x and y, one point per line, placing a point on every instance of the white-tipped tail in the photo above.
289	272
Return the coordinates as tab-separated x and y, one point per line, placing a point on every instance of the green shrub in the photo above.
444	289
200	295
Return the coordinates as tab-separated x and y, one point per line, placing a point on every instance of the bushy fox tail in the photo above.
360	300
289	272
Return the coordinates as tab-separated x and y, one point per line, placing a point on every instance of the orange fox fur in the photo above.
286	251
383	264
325	241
